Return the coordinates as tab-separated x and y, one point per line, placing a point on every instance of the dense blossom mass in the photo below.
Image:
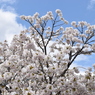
38	59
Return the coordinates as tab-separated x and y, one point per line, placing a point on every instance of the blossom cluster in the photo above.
38	60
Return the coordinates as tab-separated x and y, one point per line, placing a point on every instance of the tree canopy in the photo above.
38	60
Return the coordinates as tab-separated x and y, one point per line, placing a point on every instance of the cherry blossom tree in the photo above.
38	60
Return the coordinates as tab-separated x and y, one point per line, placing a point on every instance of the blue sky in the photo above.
73	10
77	10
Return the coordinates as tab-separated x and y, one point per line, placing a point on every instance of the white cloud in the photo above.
7	8
6	5
8	1
82	58
91	4
73	65
8	25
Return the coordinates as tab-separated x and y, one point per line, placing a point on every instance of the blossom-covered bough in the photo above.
38	59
